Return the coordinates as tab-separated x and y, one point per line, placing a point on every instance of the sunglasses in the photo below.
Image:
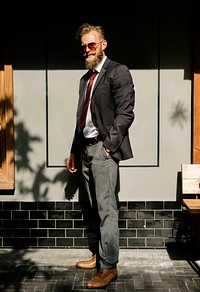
91	46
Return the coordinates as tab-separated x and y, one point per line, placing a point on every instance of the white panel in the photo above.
61	110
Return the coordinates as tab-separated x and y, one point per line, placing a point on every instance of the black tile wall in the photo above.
60	224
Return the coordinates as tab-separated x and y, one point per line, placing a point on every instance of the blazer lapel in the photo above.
101	73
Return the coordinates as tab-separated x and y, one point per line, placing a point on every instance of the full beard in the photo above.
91	64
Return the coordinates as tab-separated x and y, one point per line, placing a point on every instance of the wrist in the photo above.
107	150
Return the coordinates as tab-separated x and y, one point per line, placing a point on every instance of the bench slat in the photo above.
190	178
191	186
192	205
190	171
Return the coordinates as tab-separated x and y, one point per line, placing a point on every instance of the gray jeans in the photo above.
101	175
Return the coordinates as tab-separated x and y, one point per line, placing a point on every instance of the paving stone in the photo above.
45	270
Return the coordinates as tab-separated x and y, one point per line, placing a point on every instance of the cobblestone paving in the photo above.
139	270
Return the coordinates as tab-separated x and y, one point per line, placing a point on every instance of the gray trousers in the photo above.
101	174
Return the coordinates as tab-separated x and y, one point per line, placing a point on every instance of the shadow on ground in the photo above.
185	252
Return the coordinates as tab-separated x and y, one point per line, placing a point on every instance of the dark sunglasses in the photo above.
91	46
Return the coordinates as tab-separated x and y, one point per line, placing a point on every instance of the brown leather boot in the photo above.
90	264
103	278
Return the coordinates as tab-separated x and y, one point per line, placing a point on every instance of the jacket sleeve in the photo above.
124	100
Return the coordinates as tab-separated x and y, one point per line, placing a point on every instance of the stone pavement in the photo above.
141	270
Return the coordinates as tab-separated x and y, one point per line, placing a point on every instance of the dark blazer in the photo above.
112	106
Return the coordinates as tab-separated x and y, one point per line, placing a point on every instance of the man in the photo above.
101	141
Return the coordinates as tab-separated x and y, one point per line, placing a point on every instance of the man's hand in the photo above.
70	163
107	151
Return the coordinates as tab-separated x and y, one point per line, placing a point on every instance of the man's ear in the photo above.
104	44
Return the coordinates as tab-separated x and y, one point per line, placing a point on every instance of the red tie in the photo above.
87	100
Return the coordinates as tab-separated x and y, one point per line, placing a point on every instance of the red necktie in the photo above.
87	100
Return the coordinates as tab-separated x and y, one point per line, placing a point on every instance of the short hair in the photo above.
87	27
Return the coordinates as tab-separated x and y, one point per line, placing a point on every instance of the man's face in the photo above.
92	48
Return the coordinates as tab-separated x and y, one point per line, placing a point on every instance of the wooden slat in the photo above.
7	169
196	95
190	170
192	205
190	178
191	186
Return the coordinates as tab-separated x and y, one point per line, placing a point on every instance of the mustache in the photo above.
91	64
85	55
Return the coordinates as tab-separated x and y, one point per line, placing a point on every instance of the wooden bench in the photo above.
191	202
191	187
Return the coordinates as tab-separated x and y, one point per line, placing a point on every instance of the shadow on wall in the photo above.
24	141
